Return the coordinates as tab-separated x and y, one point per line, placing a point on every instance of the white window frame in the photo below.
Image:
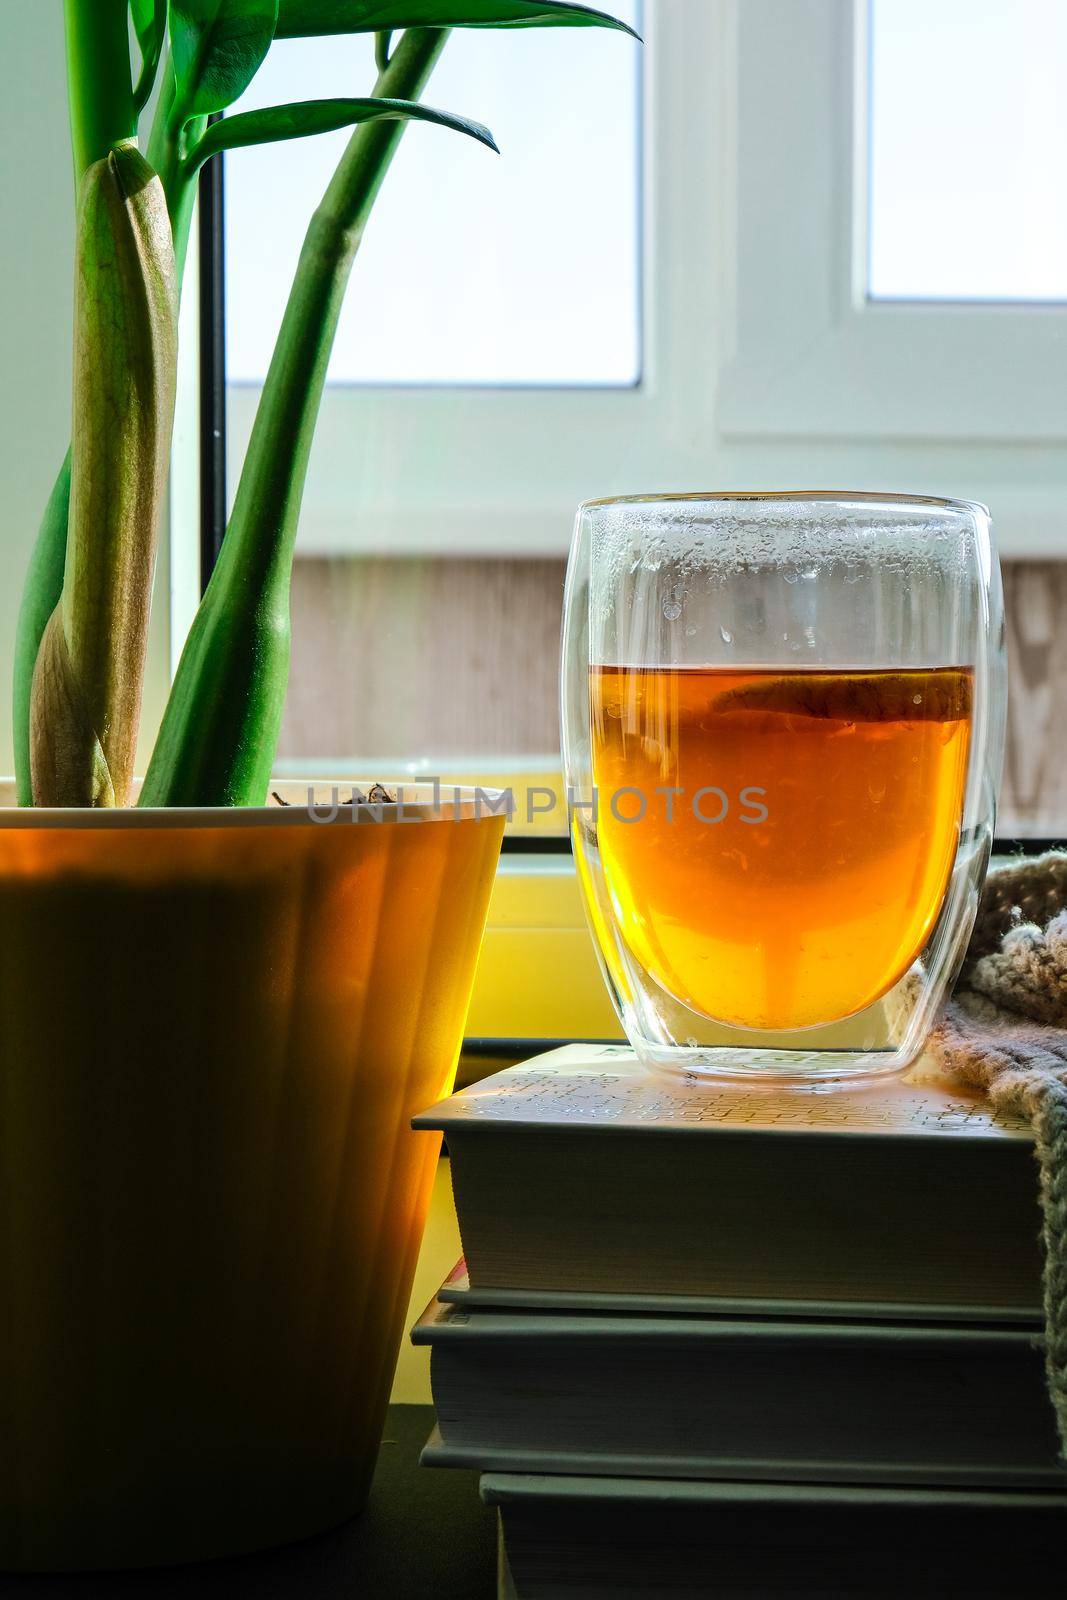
814	355
764	363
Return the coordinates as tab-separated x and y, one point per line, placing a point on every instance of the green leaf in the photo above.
322	116
218	47
150	25
143	13
300	18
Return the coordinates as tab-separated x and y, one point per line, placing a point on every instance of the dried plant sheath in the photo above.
86	692
68	761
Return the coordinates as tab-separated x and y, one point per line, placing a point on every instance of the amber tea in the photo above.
777	844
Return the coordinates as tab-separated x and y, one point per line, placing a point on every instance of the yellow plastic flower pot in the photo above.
215	1027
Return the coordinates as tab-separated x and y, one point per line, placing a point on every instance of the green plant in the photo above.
80	646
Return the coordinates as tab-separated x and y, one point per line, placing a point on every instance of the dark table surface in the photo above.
425	1533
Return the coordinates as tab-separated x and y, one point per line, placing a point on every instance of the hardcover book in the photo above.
577	1538
579	1173
698	1397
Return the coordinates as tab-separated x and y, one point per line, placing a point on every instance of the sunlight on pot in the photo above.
216	1026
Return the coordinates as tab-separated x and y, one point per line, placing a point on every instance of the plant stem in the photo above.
85	697
217	741
99	85
102	114
41	590
164	154
263	526
44	576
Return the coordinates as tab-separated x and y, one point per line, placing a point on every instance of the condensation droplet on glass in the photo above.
916	699
690	632
791	576
726	635
672	610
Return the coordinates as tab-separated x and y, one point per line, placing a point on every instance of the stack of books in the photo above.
710	1340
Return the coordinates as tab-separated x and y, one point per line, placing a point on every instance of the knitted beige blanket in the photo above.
1005	1032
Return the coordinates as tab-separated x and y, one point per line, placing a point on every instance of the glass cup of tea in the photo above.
783	722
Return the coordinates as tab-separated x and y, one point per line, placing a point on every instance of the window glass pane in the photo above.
476	269
968	128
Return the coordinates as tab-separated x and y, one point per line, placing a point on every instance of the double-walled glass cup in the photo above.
782	731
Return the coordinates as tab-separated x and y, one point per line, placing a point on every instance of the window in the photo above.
494	353
787	243
826	373
475	270
762	271
967	128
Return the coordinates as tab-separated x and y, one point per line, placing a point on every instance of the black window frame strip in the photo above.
211	248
